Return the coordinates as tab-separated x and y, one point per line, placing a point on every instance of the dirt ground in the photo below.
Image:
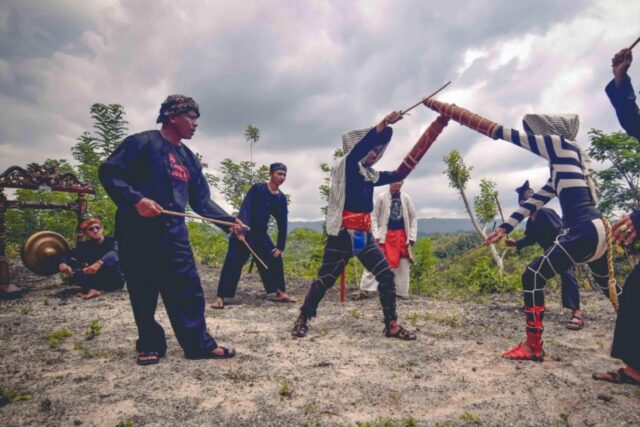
344	373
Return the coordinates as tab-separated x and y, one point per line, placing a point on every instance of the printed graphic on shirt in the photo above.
396	209
178	171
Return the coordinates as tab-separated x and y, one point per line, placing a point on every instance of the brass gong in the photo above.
42	252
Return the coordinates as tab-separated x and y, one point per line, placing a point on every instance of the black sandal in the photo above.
148	358
227	353
615	377
575	326
403	334
300	328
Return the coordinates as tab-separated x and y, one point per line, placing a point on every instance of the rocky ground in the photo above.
344	373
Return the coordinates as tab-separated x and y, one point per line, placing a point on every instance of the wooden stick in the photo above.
635	43
255	255
422	100
202	218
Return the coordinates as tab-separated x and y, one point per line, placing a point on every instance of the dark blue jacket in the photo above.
144	166
258	205
359	193
543	230
623	100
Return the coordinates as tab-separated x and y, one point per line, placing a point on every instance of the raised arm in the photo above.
621	95
535	202
378	135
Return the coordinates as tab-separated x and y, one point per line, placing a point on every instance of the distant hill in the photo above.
426	226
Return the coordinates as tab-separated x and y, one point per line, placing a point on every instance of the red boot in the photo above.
533	349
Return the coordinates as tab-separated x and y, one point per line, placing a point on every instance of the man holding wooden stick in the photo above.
148	173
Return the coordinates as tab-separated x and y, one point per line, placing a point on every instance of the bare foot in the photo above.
283	297
93	293
218	304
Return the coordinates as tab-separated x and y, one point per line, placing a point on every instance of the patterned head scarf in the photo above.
565	125
176	104
351	138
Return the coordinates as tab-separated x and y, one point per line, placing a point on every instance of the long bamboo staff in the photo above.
456	259
403	112
202	218
217	221
634	43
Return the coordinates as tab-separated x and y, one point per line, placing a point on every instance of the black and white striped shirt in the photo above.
567	180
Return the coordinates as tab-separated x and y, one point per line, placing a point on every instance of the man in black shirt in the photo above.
94	263
543	226
262	201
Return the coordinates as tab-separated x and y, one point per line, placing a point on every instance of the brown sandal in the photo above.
575	325
403	334
148	358
300	328
615	377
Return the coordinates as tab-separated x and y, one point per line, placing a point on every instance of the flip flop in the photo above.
217	306
615	377
575	326
285	299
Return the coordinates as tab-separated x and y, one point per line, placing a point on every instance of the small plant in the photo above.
58	335
356	314
85	351
45	405
470	418
8	396
413	319
46	301
25	310
94	329
286	389
127	423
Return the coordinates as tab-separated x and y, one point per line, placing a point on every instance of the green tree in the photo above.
459	175
235	180
620	182
485	204
252	135
326	184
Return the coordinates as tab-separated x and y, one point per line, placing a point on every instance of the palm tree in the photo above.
251	135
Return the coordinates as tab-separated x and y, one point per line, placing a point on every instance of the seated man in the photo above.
94	264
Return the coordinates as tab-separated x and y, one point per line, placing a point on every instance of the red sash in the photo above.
356	221
395	247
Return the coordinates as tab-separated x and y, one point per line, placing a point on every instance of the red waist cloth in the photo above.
356	221
395	247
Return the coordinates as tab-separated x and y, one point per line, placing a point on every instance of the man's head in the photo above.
92	229
179	114
372	157
395	187
277	173
524	192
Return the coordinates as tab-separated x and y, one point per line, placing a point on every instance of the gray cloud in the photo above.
304	72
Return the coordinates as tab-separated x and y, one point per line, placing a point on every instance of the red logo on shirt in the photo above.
178	170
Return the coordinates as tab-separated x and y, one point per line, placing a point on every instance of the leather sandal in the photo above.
148	358
615	377
575	323
300	328
403	334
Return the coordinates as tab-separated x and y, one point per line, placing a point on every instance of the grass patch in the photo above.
9	396
24	310
451	320
94	329
85	351
389	422
470	418
413	319
356	314
54	338
286	389
241	377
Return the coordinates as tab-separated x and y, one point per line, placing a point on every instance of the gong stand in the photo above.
39	177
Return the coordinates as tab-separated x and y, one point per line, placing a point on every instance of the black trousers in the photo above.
237	256
337	252
172	274
108	278
570	289
626	338
578	245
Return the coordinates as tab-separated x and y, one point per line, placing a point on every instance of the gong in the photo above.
43	251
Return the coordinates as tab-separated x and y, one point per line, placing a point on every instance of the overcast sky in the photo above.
304	72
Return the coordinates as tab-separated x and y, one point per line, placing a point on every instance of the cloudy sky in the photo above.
304	72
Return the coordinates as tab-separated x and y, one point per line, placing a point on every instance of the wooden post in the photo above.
4	266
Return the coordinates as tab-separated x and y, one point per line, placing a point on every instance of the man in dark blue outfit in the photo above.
94	264
262	201
543	226
626	338
149	172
